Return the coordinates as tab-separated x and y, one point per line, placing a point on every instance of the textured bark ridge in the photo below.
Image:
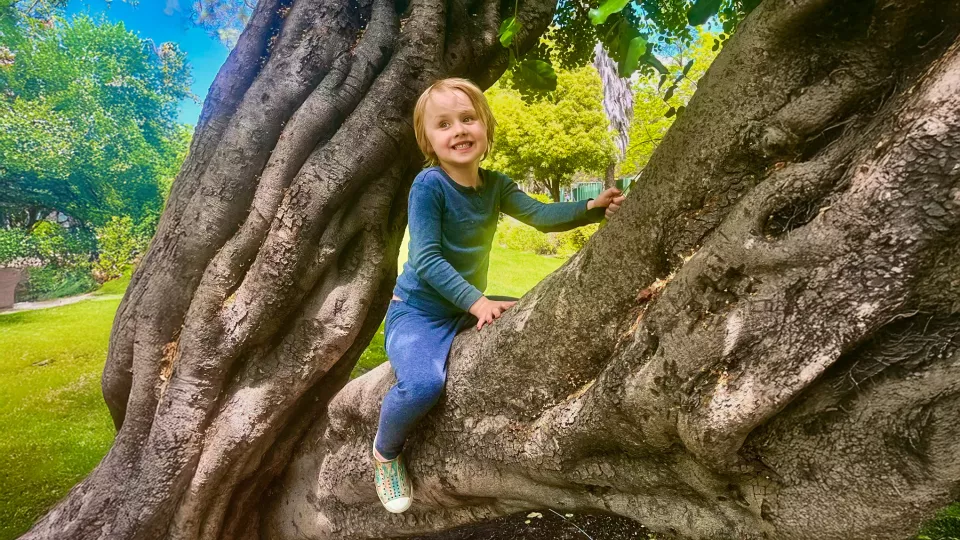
274	259
764	343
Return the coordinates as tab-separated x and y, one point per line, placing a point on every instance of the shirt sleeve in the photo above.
426	257
552	217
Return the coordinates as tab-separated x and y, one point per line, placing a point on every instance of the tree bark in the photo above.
765	344
274	259
554	184
610	176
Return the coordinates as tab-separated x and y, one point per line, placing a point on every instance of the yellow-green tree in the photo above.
655	105
550	139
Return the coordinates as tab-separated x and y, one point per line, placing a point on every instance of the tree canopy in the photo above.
87	118
552	138
635	34
656	106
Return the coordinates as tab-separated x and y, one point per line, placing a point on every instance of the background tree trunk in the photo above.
609	175
765	344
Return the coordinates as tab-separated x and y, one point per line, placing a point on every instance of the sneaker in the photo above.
393	484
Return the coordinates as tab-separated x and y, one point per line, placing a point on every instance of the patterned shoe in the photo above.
393	484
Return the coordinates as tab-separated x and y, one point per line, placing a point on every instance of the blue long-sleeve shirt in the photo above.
451	232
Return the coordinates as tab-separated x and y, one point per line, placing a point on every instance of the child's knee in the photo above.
427	390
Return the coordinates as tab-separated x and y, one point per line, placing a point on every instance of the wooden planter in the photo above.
9	277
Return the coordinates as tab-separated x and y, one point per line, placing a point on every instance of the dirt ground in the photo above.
551	526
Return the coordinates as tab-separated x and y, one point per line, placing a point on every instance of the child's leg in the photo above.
417	345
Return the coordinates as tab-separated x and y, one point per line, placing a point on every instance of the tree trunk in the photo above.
274	259
554	184
610	176
766	344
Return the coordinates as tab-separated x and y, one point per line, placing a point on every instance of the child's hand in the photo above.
611	199
486	310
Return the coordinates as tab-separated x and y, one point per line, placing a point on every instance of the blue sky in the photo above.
160	21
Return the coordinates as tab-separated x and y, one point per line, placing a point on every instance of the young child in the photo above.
453	211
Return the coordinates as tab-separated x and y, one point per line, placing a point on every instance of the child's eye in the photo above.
468	119
444	124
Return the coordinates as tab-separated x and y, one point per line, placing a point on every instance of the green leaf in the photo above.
669	94
599	15
663	79
619	45
686	68
636	48
656	63
702	10
508	29
680	110
538	74
670	112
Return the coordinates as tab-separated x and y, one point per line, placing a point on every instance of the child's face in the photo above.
454	130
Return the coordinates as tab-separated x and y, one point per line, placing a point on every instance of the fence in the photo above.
582	191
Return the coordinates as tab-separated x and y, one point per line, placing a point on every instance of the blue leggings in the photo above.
417	344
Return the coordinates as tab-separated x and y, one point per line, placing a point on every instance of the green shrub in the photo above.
570	242
542	197
14	245
52	281
945	526
119	244
517	236
59	246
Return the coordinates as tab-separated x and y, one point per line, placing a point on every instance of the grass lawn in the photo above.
55	425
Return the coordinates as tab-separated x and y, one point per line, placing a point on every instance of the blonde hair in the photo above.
478	101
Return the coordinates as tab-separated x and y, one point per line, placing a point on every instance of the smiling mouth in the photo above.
462	146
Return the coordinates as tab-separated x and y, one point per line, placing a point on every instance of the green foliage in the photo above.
540	197
572	241
512	234
945	526
14	245
52	281
702	10
58	246
555	137
538	73
636	33
607	8
508	29
119	244
652	104
630	59
116	286
87	118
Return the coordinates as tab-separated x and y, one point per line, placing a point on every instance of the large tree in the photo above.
763	343
551	139
87	119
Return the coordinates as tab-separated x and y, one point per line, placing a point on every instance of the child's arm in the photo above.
555	217
426	257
